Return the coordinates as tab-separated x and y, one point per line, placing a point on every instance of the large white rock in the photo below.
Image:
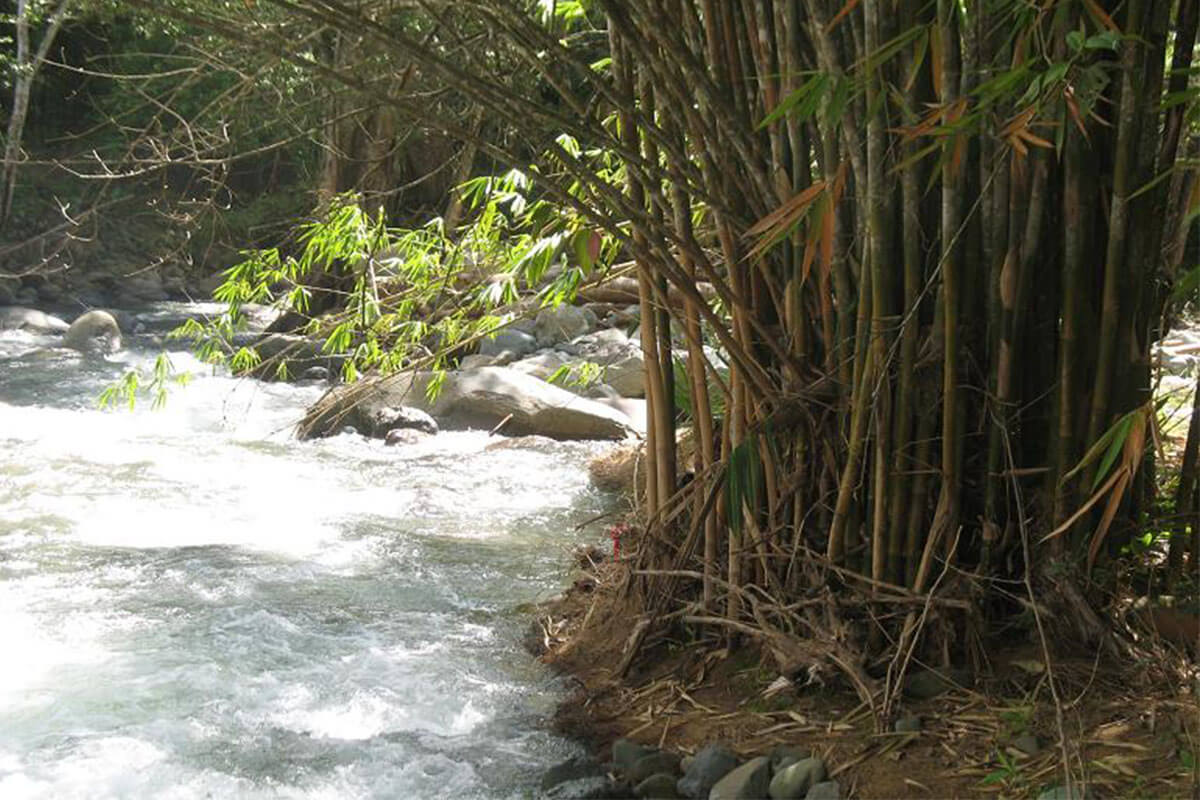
94	332
542	365
479	398
30	319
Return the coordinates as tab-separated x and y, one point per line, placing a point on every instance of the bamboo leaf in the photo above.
1095	498
1110	511
922	48
804	99
1100	446
1114	449
935	58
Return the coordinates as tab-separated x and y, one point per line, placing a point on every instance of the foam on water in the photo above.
195	605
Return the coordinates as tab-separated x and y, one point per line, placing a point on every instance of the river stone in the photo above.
404	436
626	753
94	332
794	780
657	787
562	323
627	376
651	764
750	781
516	342
708	766
382	421
909	724
30	319
926	683
609	343
475	361
542	365
315	374
297	354
572	769
484	398
829	790
783	755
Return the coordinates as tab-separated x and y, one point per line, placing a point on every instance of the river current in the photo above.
193	604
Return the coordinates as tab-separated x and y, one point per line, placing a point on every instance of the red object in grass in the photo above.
616	532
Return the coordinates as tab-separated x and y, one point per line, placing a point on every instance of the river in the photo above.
193	604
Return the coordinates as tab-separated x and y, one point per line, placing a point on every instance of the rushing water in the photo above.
193	604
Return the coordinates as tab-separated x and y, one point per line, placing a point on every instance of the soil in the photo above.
1132	730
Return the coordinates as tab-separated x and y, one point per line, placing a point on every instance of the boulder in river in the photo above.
30	319
381	421
298	353
707	767
750	781
94	332
404	436
562	323
517	342
481	398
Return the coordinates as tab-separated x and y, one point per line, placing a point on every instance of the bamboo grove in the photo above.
941	238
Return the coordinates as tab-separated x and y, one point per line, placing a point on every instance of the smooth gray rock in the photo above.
652	764
608	343
476	360
382	421
657	787
793	781
750	781
829	790
542	365
315	374
708	766
627	376
626	753
572	769
297	353
30	319
94	332
562	324
517	342
909	724
482	398
783	755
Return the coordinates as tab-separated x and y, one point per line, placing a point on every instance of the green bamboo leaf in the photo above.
1122	428
804	100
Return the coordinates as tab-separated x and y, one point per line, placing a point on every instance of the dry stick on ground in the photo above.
1027	551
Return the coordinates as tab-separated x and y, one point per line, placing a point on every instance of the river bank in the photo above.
987	734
